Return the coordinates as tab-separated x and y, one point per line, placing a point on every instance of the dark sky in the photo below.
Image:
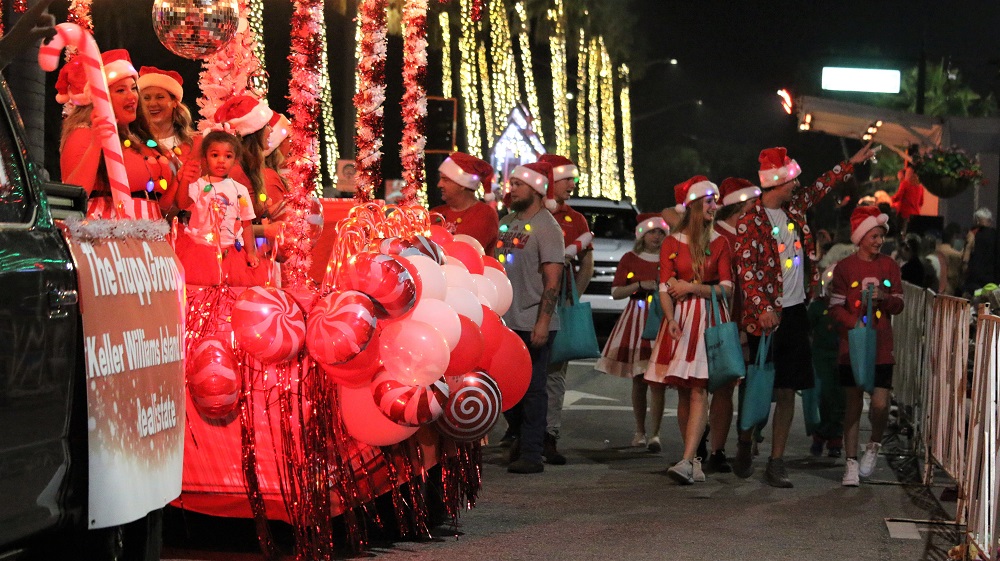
735	55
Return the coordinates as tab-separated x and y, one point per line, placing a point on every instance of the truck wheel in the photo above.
141	540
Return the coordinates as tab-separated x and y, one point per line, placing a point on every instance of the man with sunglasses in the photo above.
776	263
579	262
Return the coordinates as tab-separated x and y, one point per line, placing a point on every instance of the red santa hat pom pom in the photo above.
151	76
71	85
468	171
118	65
243	115
280	127
776	167
562	167
865	218
691	190
735	190
650	221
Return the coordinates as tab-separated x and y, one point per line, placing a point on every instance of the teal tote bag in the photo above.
722	345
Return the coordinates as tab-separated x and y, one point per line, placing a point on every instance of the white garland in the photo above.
89	230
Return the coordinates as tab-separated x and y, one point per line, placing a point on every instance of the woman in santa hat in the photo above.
626	354
693	259
170	121
151	178
868	267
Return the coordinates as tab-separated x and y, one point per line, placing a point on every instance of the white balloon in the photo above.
486	291
431	276
466	303
440	316
471	241
505	292
458	276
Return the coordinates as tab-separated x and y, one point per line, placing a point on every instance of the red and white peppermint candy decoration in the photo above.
428	247
213	377
340	326
407	405
393	246
268	324
384	279
473	408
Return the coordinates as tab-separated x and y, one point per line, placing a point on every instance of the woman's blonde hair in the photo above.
699	235
252	162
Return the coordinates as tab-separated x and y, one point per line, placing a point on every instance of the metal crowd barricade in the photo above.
946	408
909	330
980	478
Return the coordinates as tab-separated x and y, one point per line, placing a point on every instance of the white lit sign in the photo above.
860	80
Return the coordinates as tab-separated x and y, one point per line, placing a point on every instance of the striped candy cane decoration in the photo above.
70	34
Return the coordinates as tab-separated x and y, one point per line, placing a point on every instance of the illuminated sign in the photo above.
860	80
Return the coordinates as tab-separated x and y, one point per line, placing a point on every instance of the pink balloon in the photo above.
358	371
432	281
486	291
268	324
505	292
440	235
465	253
456	275
465	303
407	405
511	368
213	377
466	238
440	316
466	354
340	326
364	421
414	352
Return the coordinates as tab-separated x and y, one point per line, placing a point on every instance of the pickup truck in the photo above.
89	452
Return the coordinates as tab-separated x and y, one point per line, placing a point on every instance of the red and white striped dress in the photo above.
626	354
683	362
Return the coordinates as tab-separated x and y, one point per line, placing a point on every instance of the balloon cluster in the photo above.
411	334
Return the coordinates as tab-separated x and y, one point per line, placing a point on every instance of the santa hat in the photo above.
539	176
562	167
737	190
280	127
468	171
71	85
865	218
650	221
691	190
118	65
776	167
151	76
243	115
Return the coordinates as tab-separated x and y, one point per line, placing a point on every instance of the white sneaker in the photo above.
682	472
868	460
653	445
639	440
851	478
697	474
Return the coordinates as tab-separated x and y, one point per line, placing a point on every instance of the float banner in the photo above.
132	302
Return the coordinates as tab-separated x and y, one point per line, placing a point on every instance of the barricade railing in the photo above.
980	477
909	330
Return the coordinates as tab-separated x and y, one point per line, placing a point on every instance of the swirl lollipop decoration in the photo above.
268	324
340	326
473	408
408	405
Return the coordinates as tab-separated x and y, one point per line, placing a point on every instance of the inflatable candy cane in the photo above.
48	58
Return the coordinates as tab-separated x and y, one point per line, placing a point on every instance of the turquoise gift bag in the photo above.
722	345
576	338
861	344
758	388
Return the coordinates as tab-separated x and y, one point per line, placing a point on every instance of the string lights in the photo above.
255	19
469	82
506	87
593	114
625	100
229	72
529	73
331	151
486	86
582	138
446	81
560	92
610	185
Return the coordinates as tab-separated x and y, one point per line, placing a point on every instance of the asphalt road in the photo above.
615	502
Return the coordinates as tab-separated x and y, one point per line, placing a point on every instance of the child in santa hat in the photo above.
852	276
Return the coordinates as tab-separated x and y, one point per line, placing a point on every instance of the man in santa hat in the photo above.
776	266
464	213
531	250
579	261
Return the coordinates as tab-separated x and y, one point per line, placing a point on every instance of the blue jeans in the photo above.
527	419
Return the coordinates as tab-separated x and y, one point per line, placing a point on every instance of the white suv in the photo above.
613	225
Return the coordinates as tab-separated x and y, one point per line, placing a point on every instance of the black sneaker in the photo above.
524	466
775	474
550	453
743	466
718	462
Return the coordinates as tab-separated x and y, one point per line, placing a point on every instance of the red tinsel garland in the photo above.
370	98
414	97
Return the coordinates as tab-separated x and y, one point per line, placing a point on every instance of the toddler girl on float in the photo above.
868	267
221	211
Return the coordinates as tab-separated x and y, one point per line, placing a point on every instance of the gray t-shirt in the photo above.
525	247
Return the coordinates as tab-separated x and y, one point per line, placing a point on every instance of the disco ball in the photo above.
195	29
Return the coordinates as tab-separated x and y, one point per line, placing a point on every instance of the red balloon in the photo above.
385	279
468	351
340	326
410	406
440	235
358	371
466	254
511	368
213	378
268	324
493	263
492	331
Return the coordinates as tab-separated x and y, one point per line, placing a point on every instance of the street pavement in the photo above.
614	502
